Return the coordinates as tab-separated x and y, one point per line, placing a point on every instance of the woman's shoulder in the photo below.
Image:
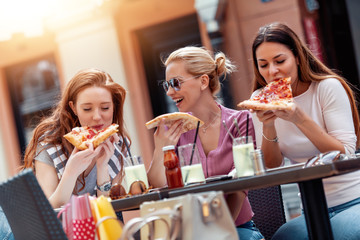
329	83
329	87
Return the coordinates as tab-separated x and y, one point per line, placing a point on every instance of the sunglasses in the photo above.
323	158
175	83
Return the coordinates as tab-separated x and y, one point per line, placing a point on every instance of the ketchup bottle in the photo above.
172	166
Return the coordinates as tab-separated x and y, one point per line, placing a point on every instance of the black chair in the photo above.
27	209
268	208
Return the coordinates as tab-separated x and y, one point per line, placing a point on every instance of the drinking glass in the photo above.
242	148
191	172
135	172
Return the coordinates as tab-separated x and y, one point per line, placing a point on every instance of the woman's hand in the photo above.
267	117
79	161
295	115
163	137
105	150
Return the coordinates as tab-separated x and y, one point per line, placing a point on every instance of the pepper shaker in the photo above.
258	162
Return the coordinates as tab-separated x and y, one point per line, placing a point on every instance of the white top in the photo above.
327	103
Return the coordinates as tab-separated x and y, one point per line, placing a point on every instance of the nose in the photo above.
96	115
170	91
273	69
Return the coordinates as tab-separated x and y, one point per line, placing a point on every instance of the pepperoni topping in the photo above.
91	134
276	91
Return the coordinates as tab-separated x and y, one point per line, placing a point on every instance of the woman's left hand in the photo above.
105	150
295	115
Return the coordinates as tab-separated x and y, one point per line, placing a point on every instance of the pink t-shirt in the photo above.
220	160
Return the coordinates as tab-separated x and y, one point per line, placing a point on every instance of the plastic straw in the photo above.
193	149
228	131
237	126
247	127
128	149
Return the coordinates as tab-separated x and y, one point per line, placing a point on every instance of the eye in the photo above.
177	82
263	65
105	108
280	61
86	109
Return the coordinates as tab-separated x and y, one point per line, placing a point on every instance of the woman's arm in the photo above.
235	202
317	135
266	137
59	192
103	154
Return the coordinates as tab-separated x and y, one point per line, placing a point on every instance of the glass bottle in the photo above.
172	167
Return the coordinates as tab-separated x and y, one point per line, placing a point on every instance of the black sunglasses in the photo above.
175	83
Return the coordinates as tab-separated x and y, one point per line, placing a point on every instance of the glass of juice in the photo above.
135	172
192	172
242	148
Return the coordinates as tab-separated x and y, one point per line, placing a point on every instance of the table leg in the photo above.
315	210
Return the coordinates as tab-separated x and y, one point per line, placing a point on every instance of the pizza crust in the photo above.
190	122
248	104
77	136
73	139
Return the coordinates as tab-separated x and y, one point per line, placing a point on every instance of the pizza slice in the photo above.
79	136
190	122
277	95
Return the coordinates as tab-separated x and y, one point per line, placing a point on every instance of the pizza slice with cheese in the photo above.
277	95
80	136
190	122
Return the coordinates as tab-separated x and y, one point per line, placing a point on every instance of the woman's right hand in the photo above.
79	161
267	117
164	137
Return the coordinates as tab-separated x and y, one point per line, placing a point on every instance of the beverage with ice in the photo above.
192	173
191	166
242	148
135	172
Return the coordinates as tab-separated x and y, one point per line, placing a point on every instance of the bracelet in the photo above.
276	139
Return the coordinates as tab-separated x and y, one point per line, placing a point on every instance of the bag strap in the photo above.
175	216
135	224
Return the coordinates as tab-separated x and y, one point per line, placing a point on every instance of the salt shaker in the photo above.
258	162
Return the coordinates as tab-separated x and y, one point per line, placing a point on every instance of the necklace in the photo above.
207	125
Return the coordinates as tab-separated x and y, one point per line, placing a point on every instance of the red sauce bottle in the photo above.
172	167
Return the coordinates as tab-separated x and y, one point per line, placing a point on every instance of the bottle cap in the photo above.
169	147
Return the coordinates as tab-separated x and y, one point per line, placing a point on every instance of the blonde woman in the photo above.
192	82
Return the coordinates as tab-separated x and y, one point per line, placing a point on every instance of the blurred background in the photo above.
43	43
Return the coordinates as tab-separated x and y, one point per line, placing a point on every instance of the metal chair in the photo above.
27	209
268	208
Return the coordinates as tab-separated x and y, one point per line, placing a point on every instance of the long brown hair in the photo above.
63	119
310	67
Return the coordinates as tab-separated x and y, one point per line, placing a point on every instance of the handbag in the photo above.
77	218
191	216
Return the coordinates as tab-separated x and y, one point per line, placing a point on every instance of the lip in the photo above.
177	103
98	127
